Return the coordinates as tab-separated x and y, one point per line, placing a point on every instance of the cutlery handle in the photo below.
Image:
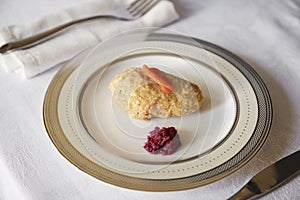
271	177
29	41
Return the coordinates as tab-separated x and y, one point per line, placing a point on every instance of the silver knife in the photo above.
270	178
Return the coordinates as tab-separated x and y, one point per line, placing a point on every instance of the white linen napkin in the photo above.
69	42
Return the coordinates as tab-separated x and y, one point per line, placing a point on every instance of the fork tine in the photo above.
134	5
146	8
142	7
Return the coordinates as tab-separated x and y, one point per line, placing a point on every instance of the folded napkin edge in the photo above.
31	63
11	62
6	34
167	14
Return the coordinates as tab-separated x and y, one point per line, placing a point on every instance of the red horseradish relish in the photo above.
163	141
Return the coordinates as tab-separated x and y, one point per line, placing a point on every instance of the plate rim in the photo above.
76	158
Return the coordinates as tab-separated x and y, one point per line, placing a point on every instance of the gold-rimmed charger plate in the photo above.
66	117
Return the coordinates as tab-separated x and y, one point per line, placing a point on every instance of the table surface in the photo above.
264	33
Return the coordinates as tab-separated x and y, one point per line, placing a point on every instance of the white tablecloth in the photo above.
264	33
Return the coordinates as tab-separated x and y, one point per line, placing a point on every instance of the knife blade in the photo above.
270	178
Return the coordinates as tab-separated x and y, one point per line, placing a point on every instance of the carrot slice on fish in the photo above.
159	78
165	89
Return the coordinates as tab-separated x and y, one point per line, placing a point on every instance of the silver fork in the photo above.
135	10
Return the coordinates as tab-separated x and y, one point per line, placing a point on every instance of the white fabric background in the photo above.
264	33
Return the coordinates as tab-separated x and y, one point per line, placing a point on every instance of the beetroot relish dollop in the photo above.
163	141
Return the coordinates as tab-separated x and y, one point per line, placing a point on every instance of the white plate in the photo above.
94	135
